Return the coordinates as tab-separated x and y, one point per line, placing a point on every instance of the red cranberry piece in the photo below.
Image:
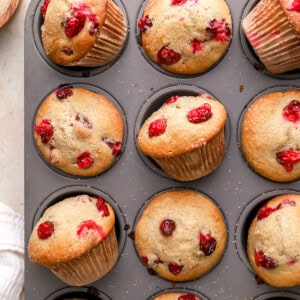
45	230
292	261
175	268
207	243
84	120
63	92
44	130
172	99
288	158
264	261
102	207
167	227
219	30
145	259
259	280
167	56
44	7
74	25
196	45
178	2
88	225
144	23
84	160
157	127
116	146
295	6
200	114
188	297
67	50
287	201
292	111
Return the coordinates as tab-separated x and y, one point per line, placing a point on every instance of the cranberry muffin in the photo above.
274	241
186	36
75	238
176	296
276	42
187	235
78	131
85	33
185	136
270	135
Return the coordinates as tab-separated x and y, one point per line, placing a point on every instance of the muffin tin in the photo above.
139	88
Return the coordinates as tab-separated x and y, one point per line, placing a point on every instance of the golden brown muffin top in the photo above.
274	241
182	124
176	296
291	9
69	229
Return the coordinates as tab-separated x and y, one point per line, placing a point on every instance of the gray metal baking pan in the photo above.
139	86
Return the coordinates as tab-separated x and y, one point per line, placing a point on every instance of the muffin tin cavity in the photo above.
179	290
37	22
80	293
74	190
247	215
155	101
251	55
155	65
116	105
278	296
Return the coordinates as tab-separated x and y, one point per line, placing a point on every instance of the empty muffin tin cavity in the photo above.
179	290
102	92
155	65
74	71
251	55
79	293
278	296
75	190
244	221
155	101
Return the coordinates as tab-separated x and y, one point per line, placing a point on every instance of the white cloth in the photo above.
11	253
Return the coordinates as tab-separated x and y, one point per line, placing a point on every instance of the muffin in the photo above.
7	9
185	136
176	296
78	131
181	235
84	33
186	36
270	135
274	241
75	238
273	31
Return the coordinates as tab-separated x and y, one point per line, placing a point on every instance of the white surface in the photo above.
12	110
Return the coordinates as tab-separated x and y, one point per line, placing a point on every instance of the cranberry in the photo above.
116	146
84	160
219	30
67	50
174	268
295	6
264	261
259	280
167	56
102	207
144	23
167	227
44	7
200	114
292	261
288	158
145	259
178	2
45	130
196	45
157	127
89	225
84	120
45	230
63	92
207	243
292	111
188	297
171	99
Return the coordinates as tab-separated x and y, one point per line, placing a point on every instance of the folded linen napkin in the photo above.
11	253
